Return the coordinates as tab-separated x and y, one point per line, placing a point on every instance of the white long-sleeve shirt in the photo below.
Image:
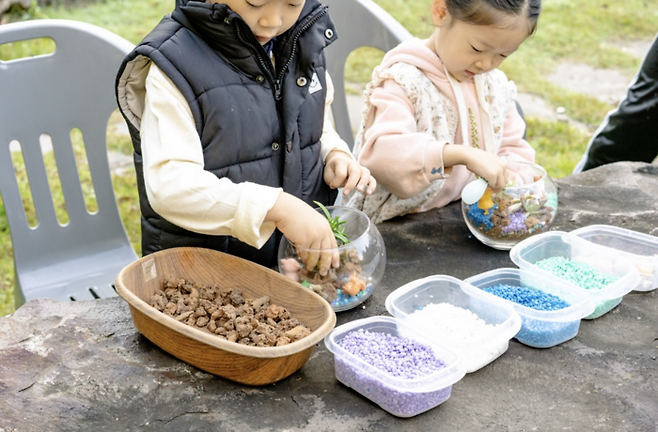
178	187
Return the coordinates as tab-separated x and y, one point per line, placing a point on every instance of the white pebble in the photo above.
463	330
455	324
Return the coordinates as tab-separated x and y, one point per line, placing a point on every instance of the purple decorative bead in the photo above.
516	223
399	357
403	360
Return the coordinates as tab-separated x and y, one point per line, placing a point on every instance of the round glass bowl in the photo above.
504	218
362	262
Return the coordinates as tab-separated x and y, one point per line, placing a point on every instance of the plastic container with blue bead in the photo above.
531	253
550	317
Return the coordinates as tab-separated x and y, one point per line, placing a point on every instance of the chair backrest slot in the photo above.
57	98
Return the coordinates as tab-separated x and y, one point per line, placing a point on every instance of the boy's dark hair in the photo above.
493	12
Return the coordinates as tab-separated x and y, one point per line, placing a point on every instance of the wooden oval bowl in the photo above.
138	281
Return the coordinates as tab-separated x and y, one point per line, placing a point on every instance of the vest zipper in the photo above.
305	25
267	64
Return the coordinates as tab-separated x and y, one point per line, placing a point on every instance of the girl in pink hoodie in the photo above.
438	111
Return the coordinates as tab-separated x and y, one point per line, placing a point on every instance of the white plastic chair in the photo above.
359	23
52	94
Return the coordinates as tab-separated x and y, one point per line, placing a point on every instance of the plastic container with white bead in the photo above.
498	321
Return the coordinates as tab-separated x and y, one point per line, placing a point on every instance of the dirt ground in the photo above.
609	85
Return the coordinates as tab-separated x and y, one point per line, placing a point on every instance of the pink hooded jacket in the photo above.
413	108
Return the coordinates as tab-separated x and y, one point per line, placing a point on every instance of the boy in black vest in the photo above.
227	106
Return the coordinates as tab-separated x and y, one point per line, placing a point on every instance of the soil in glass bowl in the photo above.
526	208
362	262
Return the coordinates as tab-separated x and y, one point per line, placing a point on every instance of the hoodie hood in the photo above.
416	53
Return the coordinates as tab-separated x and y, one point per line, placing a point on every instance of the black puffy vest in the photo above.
256	124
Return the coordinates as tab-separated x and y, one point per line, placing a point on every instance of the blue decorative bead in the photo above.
538	333
479	218
528	297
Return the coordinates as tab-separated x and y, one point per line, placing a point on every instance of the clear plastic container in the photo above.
562	244
476	351
398	396
541	328
639	248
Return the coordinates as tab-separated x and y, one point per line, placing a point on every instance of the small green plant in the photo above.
337	225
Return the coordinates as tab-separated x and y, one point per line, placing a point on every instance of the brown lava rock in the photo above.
226	313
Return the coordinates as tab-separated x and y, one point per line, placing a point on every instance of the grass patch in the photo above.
6	265
132	19
582	31
557	145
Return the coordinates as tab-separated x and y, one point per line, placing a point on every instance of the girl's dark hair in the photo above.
493	12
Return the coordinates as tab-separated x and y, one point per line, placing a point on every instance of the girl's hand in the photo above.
307	229
490	167
341	170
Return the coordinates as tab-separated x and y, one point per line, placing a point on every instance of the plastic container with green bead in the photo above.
580	265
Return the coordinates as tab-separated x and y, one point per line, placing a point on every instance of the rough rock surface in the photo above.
82	366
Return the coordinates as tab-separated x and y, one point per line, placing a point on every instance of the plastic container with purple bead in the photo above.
581	265
550	311
639	248
393	365
450	311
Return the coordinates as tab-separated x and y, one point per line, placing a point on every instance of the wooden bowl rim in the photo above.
198	335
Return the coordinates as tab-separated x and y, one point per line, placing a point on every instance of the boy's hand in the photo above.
341	170
308	229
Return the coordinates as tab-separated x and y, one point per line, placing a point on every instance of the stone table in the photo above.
82	366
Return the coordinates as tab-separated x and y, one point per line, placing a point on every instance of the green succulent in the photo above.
337	225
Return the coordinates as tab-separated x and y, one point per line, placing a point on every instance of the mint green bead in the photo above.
581	274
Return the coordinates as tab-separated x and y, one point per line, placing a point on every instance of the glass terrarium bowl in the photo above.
504	218
362	262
